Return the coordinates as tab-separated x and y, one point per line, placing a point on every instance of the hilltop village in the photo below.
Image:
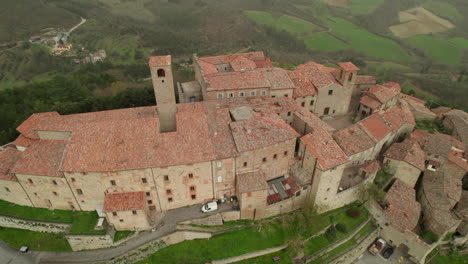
273	139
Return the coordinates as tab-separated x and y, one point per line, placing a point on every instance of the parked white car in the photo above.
209	207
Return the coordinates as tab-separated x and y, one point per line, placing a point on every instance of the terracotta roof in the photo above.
370	102
114	202
313	121
375	126
412	98
403	210
273	198
261	131
159	60
290	186
241	63
22	141
353	139
348	66
371	166
320	76
433	144
408	151
440	111
322	146
43	157
441	189
384	93
8	158
278	78
395	117
225	59
251	181
238	80
303	85
365	79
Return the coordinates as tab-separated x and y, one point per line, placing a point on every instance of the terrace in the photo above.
282	189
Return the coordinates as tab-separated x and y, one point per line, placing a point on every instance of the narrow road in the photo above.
171	219
9	255
83	20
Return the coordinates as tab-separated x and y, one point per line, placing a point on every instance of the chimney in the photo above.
163	85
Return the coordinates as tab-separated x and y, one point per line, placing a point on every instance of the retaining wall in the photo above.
38	226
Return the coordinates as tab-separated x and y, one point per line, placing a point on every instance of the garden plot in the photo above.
419	21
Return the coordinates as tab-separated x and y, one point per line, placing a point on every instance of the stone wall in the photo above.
83	242
37	226
230	216
350	256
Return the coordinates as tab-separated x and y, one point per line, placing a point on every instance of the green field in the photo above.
444	10
362	7
324	42
287	23
34	240
387	65
452	259
444	51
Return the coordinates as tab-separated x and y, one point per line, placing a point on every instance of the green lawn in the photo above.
267	259
455	258
388	65
287	23
366	42
430	126
324	42
382	178
444	51
119	235
84	223
368	228
362	7
444	10
34	240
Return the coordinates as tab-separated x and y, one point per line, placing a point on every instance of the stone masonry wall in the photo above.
83	242
12	222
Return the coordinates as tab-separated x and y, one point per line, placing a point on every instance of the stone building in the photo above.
378	98
127	211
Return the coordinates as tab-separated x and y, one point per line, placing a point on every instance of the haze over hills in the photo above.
422	44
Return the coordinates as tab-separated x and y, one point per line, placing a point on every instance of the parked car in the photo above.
209	207
387	253
377	246
24	249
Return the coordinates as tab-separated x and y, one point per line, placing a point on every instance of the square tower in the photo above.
163	85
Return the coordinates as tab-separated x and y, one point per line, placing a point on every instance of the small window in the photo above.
148	194
264	93
286	95
35	194
230	95
273	96
220	178
79	191
6	189
298	193
253	93
168	191
219	164
113	183
303	104
334	111
220	96
192	188
328	189
55	193
275	156
170	199
289	113
150	201
194	196
245	164
121	220
114	213
241	94
330	92
73	179
144	180
30	181
312	102
166	178
134	212
190	175
285	153
350	77
54	182
264	160
161	73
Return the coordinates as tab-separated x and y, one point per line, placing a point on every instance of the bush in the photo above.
341	227
430	237
353	212
330	234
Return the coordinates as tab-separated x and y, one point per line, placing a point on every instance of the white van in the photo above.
209	207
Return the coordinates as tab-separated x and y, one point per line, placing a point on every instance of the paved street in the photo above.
368	258
170	221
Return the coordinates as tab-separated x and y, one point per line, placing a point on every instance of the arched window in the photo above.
161	73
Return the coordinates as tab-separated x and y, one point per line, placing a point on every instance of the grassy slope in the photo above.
452	259
287	23
444	10
362	7
445	51
324	42
34	240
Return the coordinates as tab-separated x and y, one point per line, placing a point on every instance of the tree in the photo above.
370	191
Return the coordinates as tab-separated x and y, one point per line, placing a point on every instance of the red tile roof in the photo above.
313	121
375	127
159	60
440	111
348	66
412	98
403	210
293	187
365	79
251	181
353	140
408	151
303	85
238	80
8	158
261	131
320	76
114	202
241	63
371	166
273	198
395	117
322	146
43	157
370	102
22	141
278	78
384	93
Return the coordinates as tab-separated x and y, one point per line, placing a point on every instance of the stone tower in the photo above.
163	85
348	73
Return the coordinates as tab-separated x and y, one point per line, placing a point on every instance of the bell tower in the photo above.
163	85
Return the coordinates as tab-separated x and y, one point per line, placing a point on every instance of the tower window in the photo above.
143	180
230	95
6	189
134	212
275	156
241	94
166	178
194	196
148	194
30	181
79	191
114	213
54	182
161	73
312	102
113	183
303	104
220	96
190	175
192	188
330	92
245	164
168	191
170	199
